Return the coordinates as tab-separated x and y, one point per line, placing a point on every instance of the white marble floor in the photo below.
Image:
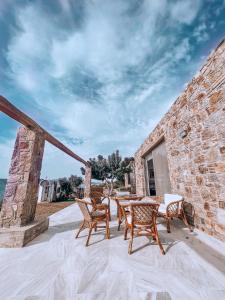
57	266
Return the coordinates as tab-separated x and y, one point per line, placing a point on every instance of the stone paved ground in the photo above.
56	266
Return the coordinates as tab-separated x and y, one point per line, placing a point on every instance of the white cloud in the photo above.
66	5
4	6
201	33
128	60
185	11
6	150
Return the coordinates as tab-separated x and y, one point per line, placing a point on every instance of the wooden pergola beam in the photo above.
16	114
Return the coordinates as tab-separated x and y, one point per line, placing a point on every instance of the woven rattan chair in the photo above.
121	199
92	218
173	208
141	221
97	199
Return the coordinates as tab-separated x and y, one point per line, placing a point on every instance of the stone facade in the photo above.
194	133
21	193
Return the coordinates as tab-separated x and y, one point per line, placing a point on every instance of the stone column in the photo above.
126	180
87	181
21	193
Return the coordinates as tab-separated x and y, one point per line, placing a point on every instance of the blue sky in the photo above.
99	75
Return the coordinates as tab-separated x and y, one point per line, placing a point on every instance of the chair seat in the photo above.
129	219
169	198
101	206
162	208
97	214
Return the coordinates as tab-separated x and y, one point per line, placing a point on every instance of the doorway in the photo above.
157	171
151	178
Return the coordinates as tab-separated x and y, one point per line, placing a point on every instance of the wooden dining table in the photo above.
125	200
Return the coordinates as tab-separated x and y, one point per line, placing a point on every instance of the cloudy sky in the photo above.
99	74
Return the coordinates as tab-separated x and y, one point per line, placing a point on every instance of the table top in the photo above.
128	197
130	202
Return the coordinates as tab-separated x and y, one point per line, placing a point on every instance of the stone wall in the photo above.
21	193
194	132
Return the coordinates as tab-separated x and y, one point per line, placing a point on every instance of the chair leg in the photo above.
184	218
89	234
109	210
158	240
125	232
168	224
131	241
119	223
80	229
120	216
107	228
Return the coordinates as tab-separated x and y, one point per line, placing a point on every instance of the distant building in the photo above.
49	190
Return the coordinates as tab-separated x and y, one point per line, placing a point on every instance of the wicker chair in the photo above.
141	221
121	199
173	208
92	218
97	199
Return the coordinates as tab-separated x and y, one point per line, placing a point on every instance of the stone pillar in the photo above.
133	178
132	183
87	181
21	193
126	180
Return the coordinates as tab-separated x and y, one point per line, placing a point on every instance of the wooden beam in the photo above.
16	114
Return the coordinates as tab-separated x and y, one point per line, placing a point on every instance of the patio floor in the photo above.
57	266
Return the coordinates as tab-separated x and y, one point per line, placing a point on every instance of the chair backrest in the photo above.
168	198
83	204
96	197
97	188
143	213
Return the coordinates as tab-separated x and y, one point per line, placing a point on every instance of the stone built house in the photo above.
185	153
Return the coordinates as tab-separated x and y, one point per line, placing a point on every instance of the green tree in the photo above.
75	181
109	169
66	188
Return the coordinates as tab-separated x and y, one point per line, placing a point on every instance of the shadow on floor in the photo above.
114	233
180	233
72	226
52	230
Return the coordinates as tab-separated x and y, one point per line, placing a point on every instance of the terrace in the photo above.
57	266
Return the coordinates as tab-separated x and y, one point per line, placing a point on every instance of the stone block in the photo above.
17	237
